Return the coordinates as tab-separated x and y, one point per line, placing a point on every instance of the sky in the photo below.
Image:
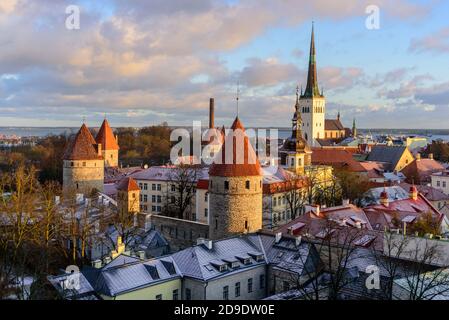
143	62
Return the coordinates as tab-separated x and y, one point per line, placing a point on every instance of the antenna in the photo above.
237	98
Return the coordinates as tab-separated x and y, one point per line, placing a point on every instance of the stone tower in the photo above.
312	103
109	144
235	187
128	194
83	164
295	153
354	129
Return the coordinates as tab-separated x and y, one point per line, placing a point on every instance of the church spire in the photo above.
354	129
312	79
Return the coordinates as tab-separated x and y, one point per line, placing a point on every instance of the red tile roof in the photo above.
82	147
106	137
128	184
246	164
382	216
420	170
333	124
337	158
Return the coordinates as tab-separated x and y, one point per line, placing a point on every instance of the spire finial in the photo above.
312	79
237	97
84	119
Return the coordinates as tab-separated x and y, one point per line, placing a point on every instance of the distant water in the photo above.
282	133
36	131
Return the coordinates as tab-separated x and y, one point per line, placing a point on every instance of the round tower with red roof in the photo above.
235	187
128	194
83	164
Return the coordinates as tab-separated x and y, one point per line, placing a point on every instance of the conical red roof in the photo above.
106	137
246	164
128	184
82	147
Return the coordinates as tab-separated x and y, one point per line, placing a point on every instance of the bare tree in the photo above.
181	190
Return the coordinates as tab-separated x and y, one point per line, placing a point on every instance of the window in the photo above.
159	209
247	185
140	186
206	212
159	199
153	186
250	285
153	198
84	164
206	197
262	281
237	289
285	286
175	294
216	224
134	195
438	184
153	208
159	297
145	186
145	208
172	199
72	164
188	294
292	162
444	184
274	202
173	188
145	198
246	224
159	187
226	293
226	185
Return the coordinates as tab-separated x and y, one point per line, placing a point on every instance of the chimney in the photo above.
318	210
116	138
413	193
418	156
431	156
211	113
99	149
384	197
298	240
278	237
97	264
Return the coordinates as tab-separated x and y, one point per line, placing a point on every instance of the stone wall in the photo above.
110	158
179	233
236	210
81	176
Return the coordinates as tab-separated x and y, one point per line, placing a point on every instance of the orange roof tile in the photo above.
246	164
336	158
82	147
106	137
128	184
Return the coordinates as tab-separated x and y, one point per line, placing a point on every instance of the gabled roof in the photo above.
337	158
236	164
420	170
82	147
333	124
128	184
388	154
106	137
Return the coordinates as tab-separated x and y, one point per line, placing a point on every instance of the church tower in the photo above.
295	153
235	187
109	144
312	103
83	164
354	129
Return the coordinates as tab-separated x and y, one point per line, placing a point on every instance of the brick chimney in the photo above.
413	193
211	113
384	198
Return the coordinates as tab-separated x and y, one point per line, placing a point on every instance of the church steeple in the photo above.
312	89
354	129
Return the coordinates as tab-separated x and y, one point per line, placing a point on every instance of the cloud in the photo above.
437	42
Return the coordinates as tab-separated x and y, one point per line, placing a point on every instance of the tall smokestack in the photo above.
211	113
